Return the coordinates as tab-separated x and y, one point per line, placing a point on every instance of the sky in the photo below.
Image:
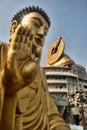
68	20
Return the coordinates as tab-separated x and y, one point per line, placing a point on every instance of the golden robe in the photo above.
31	108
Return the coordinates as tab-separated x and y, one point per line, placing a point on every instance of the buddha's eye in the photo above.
36	24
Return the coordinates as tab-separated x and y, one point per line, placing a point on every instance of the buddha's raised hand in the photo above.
21	63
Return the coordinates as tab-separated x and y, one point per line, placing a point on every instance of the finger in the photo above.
19	37
15	42
25	48
38	52
24	39
14	46
21	46
28	41
26	34
29	33
29	51
16	38
18	34
31	37
28	37
19	29
37	60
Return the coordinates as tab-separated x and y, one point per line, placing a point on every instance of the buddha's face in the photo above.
38	25
39	28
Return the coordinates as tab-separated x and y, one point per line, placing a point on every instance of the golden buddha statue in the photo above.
26	103
56	56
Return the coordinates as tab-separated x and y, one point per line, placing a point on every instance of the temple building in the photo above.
63	75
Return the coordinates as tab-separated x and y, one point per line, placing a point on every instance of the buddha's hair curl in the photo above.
19	15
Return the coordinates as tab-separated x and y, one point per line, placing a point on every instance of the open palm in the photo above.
21	66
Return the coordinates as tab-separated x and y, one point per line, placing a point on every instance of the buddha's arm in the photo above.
3	53
20	68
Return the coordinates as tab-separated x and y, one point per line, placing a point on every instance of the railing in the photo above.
57	90
56	81
61	73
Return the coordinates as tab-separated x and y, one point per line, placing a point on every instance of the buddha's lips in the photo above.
38	40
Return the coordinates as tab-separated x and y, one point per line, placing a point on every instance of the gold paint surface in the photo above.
52	58
27	104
